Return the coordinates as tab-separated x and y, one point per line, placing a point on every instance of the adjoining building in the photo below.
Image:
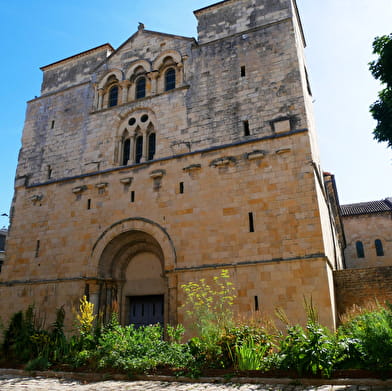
168	160
368	229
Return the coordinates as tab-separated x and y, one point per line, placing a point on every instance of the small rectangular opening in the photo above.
37	245
246	128
243	72
49	172
256	303
132	196
89	203
181	187
251	223
52	125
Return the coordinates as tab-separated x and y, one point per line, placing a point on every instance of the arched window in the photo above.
360	250
170	79
379	248
126	151
139	149
141	88
151	146
113	96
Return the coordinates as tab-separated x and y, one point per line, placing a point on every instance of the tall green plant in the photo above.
313	349
209	307
250	356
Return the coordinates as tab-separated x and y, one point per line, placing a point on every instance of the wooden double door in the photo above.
145	310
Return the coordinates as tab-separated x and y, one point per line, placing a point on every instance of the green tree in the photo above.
381	69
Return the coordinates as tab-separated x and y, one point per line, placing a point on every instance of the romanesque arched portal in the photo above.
132	258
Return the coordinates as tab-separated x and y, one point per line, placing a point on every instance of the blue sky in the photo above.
339	35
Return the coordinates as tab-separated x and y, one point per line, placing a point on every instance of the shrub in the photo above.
367	339
17	337
139	349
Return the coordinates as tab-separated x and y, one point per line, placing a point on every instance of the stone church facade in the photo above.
168	160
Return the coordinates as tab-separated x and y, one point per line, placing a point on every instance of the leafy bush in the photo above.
313	350
38	364
367	340
17	344
139	349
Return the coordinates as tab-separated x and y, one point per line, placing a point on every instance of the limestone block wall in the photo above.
209	107
277	187
74	70
56	136
360	286
368	228
230	17
202	200
260	291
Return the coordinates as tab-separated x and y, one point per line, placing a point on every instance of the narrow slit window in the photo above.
132	196
379	248
256	303
37	246
52	126
251	222
360	250
89	203
246	128
49	172
181	187
243	71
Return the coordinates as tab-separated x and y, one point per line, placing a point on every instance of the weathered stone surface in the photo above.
264	217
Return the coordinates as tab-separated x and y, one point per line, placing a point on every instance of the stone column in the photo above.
131	150
145	145
180	74
153	76
100	98
125	84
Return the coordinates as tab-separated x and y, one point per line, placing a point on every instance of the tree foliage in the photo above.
381	69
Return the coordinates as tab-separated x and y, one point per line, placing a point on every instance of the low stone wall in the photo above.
359	286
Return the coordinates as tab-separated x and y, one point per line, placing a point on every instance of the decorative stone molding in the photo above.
180	147
283	124
222	161
127	180
282	151
258	154
192	167
101	185
79	189
36	197
157	174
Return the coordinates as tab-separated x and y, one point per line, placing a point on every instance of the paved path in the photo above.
21	383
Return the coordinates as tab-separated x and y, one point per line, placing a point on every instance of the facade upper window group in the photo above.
361	250
137	141
140	80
